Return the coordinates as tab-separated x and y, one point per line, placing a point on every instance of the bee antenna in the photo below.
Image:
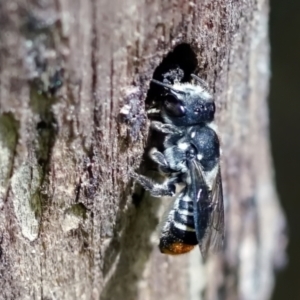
201	81
167	86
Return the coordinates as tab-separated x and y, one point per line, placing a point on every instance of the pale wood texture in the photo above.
68	227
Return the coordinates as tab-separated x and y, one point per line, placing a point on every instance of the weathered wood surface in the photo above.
68	227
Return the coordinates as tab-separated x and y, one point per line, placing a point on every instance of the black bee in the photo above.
191	157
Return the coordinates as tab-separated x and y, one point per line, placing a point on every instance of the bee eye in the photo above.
173	106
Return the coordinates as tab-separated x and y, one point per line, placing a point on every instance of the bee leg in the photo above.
158	157
165	128
161	161
156	189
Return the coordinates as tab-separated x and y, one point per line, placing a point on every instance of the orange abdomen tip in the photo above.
177	248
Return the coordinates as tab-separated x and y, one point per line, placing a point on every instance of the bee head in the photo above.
185	104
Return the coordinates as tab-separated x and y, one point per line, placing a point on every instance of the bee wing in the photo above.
208	210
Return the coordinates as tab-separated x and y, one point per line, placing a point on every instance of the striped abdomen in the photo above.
179	235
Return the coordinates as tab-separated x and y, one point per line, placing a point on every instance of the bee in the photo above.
191	157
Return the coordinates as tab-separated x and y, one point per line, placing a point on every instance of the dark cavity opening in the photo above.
178	64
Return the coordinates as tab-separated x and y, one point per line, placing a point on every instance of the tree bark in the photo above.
74	77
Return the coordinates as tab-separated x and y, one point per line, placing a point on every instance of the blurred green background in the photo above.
284	104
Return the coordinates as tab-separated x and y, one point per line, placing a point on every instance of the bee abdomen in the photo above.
184	219
184	212
179	235
177	240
